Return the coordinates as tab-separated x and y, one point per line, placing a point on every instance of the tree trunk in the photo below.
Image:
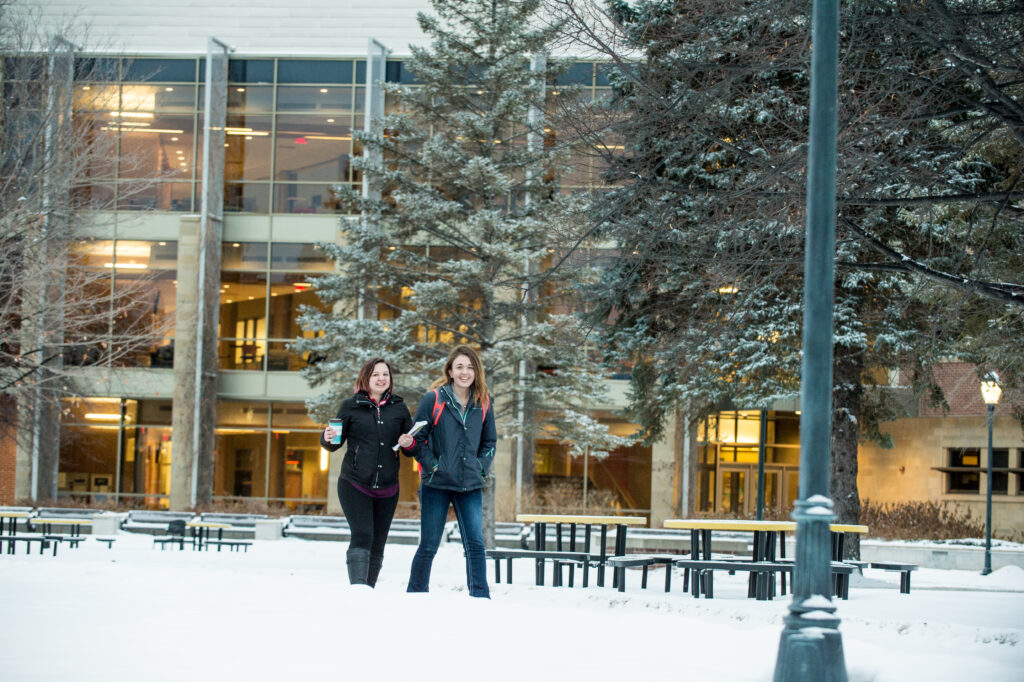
846	396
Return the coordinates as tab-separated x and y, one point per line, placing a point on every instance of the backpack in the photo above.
439	408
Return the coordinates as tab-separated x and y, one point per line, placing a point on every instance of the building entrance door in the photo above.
736	488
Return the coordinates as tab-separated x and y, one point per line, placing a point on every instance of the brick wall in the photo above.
8	451
962	389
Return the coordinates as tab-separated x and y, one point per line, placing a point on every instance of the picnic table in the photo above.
201	532
573	521
12	524
768	546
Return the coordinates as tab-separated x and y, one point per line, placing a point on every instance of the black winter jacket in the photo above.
371	432
456	453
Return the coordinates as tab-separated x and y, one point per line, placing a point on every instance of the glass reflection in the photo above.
305	198
313	148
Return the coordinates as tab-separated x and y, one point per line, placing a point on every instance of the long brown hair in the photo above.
479	387
363	378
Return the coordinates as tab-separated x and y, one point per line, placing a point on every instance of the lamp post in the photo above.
811	647
990	393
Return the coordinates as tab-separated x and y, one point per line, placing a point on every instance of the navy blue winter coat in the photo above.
456	453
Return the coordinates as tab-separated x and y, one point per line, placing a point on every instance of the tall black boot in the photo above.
375	563
358	561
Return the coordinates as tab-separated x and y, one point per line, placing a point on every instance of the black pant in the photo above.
369	518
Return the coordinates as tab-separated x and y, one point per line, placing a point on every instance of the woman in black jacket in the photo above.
372	422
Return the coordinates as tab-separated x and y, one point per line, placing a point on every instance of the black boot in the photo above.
358	561
375	563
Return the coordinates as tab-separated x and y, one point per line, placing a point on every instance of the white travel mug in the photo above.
336	425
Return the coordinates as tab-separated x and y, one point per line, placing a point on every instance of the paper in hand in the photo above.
413	431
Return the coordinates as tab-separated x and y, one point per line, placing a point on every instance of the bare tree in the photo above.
58	310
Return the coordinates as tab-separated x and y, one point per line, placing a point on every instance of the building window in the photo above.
967	468
963	473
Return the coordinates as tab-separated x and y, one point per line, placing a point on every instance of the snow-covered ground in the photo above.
284	611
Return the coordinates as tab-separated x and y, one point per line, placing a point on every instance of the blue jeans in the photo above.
434	504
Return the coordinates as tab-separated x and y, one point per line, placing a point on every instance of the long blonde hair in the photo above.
479	387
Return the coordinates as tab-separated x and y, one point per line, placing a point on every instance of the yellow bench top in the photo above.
744	524
570	518
729	524
207	524
57	522
13	515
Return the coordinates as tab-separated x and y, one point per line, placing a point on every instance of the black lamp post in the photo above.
990	393
811	647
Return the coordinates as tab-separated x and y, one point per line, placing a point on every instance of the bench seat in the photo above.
233	545
703	575
558	558
43	541
644	561
904	570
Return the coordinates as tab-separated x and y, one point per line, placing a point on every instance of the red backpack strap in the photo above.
438	407
483	413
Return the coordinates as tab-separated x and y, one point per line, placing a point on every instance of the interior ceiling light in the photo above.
103	416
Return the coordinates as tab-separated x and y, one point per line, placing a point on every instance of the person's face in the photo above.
462	372
380	379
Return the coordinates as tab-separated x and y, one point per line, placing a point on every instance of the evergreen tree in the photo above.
706	299
459	245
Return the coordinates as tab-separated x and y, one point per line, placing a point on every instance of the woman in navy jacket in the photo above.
456	448
373	420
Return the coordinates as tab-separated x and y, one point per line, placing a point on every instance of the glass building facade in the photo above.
288	142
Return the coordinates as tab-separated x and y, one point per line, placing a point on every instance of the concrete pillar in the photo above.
504	467
182	420
664	483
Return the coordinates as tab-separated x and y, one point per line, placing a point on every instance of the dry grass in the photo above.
566	497
920	521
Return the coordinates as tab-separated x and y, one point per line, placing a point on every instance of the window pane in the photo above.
156	147
309	198
247	150
101	139
240	465
251	198
314	71
243	322
97	97
250	98
313	148
287	293
581	73
88	459
160	196
299	257
292	415
313	99
295	473
244	256
160	70
250	71
242	414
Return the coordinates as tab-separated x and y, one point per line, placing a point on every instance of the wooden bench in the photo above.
904	570
558	558
620	563
703	575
